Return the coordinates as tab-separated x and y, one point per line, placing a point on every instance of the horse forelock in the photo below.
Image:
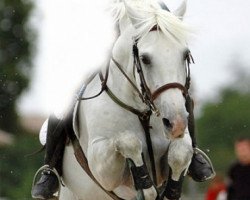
148	14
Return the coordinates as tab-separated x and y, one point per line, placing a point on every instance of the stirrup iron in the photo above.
47	168
197	150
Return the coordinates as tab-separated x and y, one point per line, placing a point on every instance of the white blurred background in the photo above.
75	36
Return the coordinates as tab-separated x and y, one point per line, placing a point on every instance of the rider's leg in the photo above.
55	143
48	183
200	168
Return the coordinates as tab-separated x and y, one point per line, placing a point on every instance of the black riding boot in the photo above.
201	168
48	183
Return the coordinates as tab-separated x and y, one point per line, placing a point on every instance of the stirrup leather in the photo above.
197	150
54	171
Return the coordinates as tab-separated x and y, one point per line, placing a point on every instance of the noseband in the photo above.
144	93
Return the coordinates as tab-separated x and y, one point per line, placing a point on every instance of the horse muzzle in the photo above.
175	128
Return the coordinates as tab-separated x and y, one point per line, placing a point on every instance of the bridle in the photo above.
144	93
148	96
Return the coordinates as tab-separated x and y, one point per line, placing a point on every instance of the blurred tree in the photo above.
16	39
16	169
16	47
226	119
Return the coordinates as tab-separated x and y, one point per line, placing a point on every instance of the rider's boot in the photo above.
201	168
49	182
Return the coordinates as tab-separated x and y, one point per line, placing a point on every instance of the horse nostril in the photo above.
167	123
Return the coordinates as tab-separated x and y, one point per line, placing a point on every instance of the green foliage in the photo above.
16	47
221	123
15	57
16	169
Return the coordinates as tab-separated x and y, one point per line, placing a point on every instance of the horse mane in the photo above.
147	14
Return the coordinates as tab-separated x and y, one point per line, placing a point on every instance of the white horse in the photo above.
111	136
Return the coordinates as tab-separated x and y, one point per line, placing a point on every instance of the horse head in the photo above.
159	37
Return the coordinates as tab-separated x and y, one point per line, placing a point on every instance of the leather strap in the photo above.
167	87
145	122
129	80
82	160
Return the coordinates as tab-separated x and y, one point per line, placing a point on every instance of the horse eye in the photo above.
146	59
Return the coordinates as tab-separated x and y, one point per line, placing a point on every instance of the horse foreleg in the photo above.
130	147
179	157
107	160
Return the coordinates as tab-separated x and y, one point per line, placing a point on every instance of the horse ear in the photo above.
163	6
180	12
